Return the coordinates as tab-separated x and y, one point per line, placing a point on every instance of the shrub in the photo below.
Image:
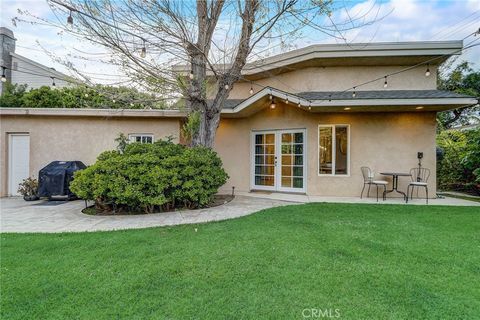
150	177
28	187
458	168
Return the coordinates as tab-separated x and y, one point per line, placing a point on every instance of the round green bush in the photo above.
151	177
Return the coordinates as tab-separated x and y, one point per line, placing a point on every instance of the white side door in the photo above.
18	161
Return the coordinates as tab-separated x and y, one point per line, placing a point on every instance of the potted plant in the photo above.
28	189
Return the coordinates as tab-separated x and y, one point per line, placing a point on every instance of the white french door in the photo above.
278	162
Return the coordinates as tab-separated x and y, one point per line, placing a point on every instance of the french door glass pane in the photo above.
270	138
287	182
286	170
299	137
292	160
270	149
298	171
286	159
298	160
298	183
265	159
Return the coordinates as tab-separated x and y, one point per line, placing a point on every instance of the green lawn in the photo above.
367	261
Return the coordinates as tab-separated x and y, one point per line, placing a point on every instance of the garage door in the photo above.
18	161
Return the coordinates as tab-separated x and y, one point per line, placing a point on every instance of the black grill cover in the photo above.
54	179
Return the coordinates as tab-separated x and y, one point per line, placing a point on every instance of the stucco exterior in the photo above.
338	78
74	138
381	141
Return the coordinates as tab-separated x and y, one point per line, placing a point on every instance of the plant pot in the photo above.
30	198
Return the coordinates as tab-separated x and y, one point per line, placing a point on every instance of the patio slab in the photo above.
18	215
444	201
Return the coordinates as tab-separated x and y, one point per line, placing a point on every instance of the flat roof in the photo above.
84	112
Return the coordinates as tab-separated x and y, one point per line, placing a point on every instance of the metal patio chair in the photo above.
368	177
419	179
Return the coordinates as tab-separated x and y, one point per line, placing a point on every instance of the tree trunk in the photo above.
210	113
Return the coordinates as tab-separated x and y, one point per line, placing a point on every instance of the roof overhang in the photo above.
261	100
359	54
109	113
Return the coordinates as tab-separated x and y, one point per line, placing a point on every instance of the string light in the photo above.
70	19
273	105
286	100
271	97
4	78
251	89
53	81
385	84
227	87
329	98
191	75
427	72
299	104
354	94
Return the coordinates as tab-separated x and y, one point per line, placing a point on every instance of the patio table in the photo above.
395	176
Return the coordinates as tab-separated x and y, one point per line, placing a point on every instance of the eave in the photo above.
260	101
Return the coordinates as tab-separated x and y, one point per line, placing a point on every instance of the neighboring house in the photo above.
21	70
316	148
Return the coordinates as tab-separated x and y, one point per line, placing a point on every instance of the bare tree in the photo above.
213	38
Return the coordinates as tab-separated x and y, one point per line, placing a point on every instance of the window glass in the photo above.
325	150
141	138
333	149
341	146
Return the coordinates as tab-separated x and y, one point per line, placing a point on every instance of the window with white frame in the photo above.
140	137
333	149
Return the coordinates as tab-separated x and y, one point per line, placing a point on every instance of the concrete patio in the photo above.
18	215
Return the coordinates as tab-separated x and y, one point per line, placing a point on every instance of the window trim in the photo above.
134	135
334	146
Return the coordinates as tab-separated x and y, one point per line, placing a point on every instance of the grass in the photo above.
366	261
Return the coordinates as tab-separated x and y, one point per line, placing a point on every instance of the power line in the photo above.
459	22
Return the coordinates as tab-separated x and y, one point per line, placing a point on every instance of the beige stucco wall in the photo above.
340	78
382	141
74	138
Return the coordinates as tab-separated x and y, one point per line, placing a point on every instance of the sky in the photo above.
395	20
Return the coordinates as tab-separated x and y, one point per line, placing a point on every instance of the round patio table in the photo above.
395	176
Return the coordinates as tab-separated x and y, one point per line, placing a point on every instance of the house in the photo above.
298	131
21	70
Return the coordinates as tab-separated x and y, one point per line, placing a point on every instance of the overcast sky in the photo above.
402	20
